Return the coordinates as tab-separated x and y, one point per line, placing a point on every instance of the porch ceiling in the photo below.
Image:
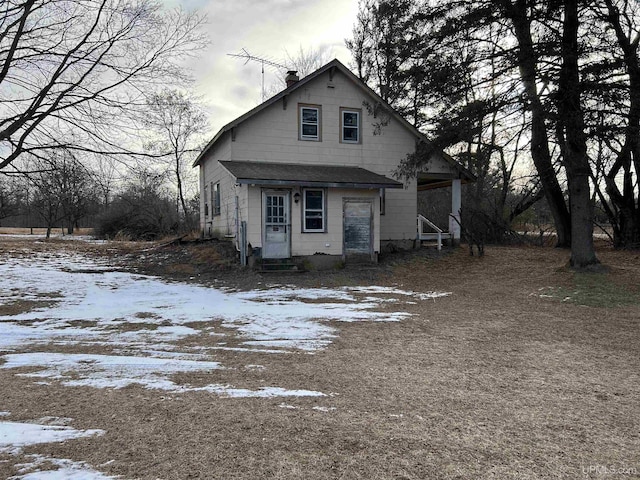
430	181
306	175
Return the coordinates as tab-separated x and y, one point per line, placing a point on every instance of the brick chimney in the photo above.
291	78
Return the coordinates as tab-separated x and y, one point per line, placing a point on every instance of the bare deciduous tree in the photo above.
179	126
71	71
63	189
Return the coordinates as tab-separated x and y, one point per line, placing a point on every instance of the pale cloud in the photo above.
267	29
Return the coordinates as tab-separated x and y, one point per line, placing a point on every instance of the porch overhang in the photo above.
306	175
431	181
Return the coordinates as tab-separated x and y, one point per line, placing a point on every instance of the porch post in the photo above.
456	203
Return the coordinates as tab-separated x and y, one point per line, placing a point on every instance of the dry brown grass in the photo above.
496	381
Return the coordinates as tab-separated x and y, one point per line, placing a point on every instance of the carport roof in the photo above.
306	175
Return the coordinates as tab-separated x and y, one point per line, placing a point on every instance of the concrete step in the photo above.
275	266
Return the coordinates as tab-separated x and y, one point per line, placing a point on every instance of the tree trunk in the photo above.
183	203
627	233
540	153
576	162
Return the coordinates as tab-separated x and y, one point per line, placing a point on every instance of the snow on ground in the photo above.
140	319
86	302
16	435
68	470
58	236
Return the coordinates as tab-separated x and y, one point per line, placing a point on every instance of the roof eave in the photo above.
318	184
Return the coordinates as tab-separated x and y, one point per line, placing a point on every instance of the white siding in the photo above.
306	243
211	172
272	135
331	242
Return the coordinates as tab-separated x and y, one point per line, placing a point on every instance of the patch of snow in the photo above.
5	414
112	371
68	470
87	303
289	407
308	345
254	367
14	435
101	371
87	290
263	392
324	409
246	350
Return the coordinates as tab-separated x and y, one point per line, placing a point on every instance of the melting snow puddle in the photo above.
143	317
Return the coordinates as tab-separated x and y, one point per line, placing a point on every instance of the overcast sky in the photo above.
266	29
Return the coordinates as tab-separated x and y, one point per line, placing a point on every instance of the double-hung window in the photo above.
350	125
310	117
314	210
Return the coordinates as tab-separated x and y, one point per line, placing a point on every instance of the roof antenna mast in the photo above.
252	58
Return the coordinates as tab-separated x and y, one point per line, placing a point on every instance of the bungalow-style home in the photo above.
309	173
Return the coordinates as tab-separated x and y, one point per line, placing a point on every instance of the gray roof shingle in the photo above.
306	175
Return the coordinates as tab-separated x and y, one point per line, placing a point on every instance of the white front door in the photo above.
276	226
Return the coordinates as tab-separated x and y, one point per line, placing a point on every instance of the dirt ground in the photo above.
527	370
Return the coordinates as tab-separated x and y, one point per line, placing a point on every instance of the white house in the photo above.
310	172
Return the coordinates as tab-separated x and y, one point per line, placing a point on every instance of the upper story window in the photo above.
314	211
309	119
350	125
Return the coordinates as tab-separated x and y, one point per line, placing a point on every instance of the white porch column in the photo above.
456	203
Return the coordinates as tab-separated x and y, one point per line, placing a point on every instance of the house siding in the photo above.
272	136
211	172
329	242
271	133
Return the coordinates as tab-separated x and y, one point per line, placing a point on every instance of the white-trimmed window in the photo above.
309	120
350	125
215	199
313	210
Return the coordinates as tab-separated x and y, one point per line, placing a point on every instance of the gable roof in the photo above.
332	66
306	175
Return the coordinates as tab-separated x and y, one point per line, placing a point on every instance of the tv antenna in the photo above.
247	57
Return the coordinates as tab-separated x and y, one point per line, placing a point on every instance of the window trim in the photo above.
323	210
358	128
308	138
